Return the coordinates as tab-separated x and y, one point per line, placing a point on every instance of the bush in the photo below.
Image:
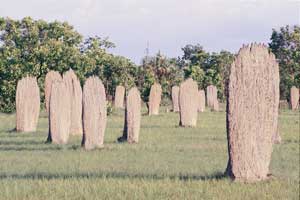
110	108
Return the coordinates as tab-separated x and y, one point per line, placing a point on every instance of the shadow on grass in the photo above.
117	175
290	142
49	147
9	148
14	133
53	147
45	147
150	126
215	138
28	142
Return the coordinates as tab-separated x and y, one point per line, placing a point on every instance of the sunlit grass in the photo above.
168	163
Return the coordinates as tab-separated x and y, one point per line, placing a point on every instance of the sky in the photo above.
164	25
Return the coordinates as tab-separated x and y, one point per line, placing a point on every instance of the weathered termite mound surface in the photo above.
212	97
94	113
27	104
154	99
201	101
175	98
252	113
188	103
51	77
119	96
294	98
59	113
75	91
133	115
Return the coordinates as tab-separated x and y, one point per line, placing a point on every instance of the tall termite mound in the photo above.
175	98
133	115
59	113
201	101
119	96
27	104
51	77
188	103
75	91
94	113
252	112
294	98
154	99
212	97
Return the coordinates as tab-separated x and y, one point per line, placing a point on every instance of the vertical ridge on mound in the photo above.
75	91
52	76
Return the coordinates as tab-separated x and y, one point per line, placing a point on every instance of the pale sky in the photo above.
167	25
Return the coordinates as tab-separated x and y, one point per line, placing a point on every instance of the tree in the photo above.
194	55
30	47
112	70
160	69
218	72
285	44
34	47
205	68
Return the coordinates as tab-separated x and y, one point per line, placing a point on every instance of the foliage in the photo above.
109	108
285	44
206	68
34	47
218	71
112	70
160	69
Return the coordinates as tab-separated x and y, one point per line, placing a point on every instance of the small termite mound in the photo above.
27	104
154	99
175	98
119	97
188	103
201	101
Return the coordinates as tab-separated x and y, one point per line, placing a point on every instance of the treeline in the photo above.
203	67
34	47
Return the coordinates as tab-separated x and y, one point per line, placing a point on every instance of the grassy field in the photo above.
168	163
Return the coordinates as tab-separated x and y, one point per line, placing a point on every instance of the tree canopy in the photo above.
285	44
34	47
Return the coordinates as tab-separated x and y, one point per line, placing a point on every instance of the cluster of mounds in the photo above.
251	111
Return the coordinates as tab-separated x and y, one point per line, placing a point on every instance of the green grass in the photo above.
169	162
